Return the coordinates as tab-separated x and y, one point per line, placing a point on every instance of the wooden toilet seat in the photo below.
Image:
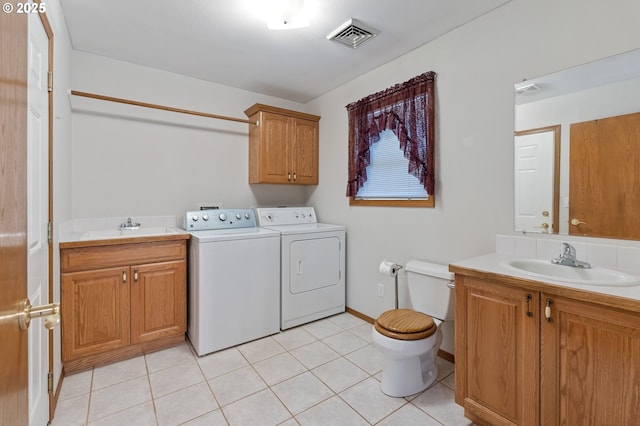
405	324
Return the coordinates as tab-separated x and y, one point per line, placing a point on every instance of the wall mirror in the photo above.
577	150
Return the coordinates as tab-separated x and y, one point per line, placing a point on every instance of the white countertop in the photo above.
493	263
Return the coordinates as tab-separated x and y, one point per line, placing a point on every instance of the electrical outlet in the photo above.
380	290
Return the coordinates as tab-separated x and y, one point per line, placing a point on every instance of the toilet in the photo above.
409	339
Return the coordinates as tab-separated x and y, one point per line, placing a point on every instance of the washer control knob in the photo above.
194	218
205	217
222	217
238	216
247	216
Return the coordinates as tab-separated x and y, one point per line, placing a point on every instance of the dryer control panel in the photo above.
285	215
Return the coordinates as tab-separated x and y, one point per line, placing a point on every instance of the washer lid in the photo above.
232	234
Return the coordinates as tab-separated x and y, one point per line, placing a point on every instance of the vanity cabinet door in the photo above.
158	300
95	311
497	352
590	364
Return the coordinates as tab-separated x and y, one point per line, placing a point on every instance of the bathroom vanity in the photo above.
121	297
536	351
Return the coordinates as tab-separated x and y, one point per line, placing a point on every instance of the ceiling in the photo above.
225	42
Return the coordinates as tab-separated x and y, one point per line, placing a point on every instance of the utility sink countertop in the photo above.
98	232
625	294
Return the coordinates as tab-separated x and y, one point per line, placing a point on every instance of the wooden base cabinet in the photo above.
531	357
283	146
591	364
119	301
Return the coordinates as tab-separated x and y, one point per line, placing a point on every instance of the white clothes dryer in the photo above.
312	259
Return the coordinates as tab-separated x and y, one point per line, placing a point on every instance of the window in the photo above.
387	176
391	139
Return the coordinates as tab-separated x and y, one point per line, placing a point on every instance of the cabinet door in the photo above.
590	363
498	353
95	312
158	301
274	149
304	151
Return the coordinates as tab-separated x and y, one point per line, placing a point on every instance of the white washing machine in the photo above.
312	257
234	279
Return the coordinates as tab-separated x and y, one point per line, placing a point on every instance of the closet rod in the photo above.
154	106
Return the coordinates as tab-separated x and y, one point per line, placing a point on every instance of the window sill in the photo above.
393	203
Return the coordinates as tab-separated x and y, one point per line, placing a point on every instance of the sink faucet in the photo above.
129	225
568	258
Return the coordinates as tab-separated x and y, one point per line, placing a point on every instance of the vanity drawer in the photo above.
84	258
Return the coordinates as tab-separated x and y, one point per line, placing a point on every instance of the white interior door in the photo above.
534	169
38	215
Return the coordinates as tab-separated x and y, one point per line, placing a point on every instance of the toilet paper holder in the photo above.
391	269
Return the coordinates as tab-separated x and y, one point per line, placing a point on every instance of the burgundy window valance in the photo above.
407	109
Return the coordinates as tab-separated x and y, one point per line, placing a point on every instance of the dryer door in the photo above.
314	263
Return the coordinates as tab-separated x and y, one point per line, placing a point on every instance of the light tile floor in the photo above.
324	373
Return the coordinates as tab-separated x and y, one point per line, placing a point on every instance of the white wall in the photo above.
477	65
133	161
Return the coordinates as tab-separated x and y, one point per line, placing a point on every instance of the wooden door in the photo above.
304	151
274	148
604	181
13	224
95	311
158	301
498	362
590	365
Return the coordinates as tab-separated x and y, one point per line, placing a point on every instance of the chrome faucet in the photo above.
568	258
129	225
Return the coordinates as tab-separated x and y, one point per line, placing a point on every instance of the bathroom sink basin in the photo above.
590	276
106	234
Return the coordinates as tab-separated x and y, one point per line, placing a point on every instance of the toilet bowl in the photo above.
409	339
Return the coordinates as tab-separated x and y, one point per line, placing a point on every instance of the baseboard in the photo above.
442	354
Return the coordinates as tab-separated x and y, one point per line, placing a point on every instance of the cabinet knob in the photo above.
124	277
547	310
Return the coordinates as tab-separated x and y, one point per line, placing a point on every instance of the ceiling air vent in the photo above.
352	33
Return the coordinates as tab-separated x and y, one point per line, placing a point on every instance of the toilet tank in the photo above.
428	289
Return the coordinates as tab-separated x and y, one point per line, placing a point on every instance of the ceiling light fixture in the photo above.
287	14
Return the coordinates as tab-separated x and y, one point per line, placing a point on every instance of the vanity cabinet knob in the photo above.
547	310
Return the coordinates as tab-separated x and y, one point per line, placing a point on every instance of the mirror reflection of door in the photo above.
537	154
604	177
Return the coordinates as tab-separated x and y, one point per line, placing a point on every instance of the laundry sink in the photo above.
106	234
586	276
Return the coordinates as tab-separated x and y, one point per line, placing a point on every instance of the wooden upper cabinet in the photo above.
283	146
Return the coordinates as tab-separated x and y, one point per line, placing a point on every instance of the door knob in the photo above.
545	225
51	312
576	222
